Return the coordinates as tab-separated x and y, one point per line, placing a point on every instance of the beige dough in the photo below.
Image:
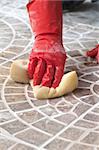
69	82
18	71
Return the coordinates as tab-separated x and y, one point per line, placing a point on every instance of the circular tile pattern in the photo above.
68	122
6	35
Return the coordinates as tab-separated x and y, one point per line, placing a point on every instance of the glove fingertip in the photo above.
30	73
58	76
97	58
88	54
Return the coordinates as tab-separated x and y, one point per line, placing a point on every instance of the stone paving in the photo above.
67	123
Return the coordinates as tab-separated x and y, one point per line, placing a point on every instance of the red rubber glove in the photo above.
47	59
94	53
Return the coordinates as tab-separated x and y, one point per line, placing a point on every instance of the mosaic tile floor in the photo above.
67	123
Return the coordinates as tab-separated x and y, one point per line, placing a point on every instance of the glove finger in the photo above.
93	52
97	57
31	67
58	76
49	75
39	72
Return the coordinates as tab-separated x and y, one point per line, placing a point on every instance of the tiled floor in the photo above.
67	123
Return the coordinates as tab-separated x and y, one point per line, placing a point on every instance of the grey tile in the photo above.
31	136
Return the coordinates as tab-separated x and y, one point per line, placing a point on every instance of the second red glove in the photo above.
94	53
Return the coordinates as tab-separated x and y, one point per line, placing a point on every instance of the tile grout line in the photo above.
59	133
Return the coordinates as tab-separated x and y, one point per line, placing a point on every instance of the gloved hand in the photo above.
94	53
47	59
